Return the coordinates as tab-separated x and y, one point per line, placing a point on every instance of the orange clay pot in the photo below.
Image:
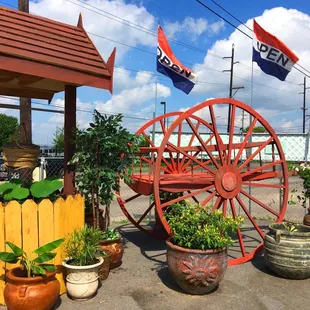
22	293
116	248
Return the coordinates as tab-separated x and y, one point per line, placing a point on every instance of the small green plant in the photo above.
197	227
290	227
82	246
17	190
36	266
110	234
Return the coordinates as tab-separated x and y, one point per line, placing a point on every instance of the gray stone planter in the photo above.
288	253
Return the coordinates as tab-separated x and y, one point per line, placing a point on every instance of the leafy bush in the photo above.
17	190
82	246
110	234
105	151
197	227
36	266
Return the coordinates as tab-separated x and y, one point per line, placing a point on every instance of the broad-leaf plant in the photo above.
36	267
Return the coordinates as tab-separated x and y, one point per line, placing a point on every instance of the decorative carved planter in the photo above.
197	272
116	248
105	267
24	293
30	225
19	157
82	281
288	253
307	218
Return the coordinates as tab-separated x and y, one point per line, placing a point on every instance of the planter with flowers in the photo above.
303	171
197	249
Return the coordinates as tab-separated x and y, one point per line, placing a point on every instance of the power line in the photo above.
204	5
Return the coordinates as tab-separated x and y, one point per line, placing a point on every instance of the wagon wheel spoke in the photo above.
189	195
146	212
260	203
231	133
205	201
218	203
199	167
242	205
193	197
247	161
234	213
153	145
152	163
202	142
246	138
224	207
191	141
200	163
264	185
261	168
217	136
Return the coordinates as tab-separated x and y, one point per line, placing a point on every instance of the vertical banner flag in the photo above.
271	54
167	64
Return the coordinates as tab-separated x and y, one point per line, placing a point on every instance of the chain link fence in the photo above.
46	167
53	167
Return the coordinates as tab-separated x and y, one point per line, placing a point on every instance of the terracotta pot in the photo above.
22	293
82	281
105	267
307	218
116	248
197	272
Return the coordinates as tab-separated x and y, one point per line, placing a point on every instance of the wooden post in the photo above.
69	147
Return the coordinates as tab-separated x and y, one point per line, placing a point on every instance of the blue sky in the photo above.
188	23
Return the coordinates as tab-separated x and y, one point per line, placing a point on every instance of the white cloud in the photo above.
193	27
290	26
102	23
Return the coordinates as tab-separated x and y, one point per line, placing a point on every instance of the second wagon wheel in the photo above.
239	173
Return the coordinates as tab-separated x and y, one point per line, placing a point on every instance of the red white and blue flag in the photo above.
167	64
271	54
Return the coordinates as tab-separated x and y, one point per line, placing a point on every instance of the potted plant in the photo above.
33	285
112	242
105	151
303	170
84	258
197	248
287	250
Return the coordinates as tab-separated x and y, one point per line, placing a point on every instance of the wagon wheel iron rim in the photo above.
225	178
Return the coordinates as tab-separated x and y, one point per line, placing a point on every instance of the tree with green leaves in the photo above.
59	140
257	129
105	151
9	126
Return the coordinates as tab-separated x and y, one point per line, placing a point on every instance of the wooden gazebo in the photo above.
40	57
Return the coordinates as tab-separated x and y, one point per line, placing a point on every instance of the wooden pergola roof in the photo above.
39	56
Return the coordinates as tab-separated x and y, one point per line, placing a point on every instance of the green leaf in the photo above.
49	246
16	250
43	189
37	270
45	257
8	195
48	267
9	257
20	193
6	186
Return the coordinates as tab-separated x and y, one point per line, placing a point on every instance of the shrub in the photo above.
197	227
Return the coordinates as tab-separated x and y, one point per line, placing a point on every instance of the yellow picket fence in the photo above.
31	225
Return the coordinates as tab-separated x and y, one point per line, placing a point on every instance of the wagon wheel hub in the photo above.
228	181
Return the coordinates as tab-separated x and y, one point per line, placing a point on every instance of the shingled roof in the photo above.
39	56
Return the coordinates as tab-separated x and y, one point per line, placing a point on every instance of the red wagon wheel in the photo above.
244	175
135	199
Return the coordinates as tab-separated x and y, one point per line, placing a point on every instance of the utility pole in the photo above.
231	88
304	106
25	103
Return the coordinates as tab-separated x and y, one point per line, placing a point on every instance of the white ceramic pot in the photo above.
82	281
